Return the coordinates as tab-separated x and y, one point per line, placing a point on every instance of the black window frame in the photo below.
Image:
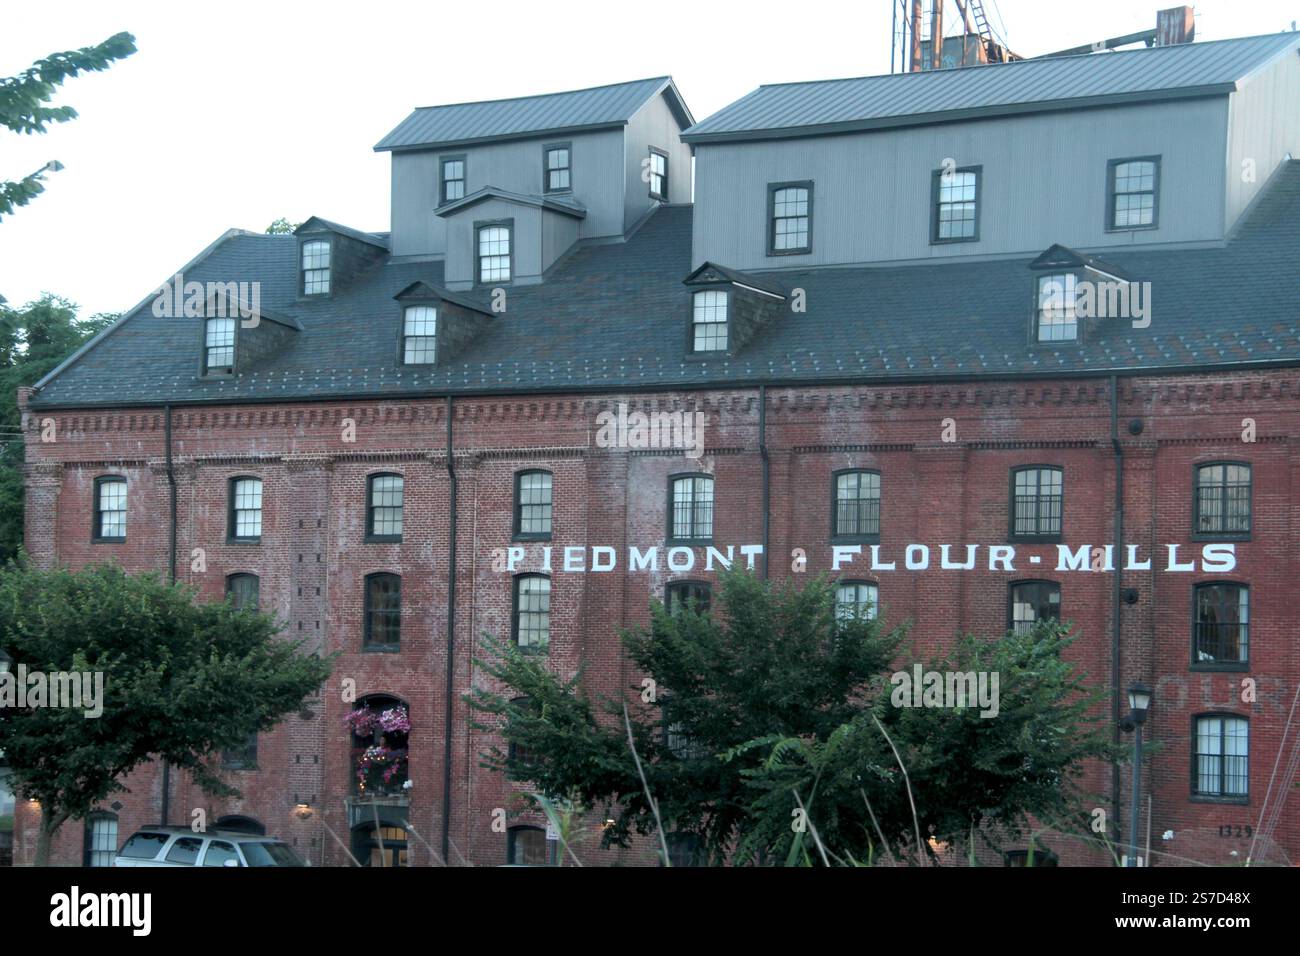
232	524
1041	537
660	196
241	576
688	592
1243	630
512	839
1038	582
1036	311
1197	533
726	293
241	758
97	512
542	649
936	180
88	849
303	242
513	750
370	613
851	537
692	540
219	371
479	226
858	582
772	190
547	149
517	522
461	158
1112	165
371	536
403	336
1198	796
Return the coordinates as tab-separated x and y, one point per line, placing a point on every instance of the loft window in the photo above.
316	267
1222	502
856	600
384	508
857	505
533	505
557	170
1037	502
532	613
453	179
956	205
101	839
383	613
110	509
526	846
1222	627
657	170
709	321
494	253
244	591
1031	602
419	338
695	595
1056	319
219	346
690	508
245	521
1221	758
789	209
1134	193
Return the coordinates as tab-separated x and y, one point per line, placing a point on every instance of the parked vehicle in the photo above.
181	846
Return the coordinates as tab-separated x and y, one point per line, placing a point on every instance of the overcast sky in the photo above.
238	113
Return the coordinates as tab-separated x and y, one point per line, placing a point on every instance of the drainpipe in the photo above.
171	577
767	473
451	646
1116	595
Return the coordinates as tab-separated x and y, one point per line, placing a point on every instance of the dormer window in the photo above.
789	219
219	346
956	205
658	171
316	267
557	170
709	321
419	335
1056	319
453	179
494	252
1133	187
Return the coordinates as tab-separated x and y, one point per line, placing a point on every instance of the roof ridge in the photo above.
542	96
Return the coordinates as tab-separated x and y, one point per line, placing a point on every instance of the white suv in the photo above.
181	846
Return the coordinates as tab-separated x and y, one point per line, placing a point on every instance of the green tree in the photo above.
771	696
24	109
182	680
281	227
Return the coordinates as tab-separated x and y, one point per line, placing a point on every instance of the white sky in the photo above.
235	114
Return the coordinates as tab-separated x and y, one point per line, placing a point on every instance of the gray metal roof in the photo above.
1169	72
495	120
559	204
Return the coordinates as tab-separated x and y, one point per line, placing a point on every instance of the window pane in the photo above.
248	508
494	254
315	268
709	321
689	594
1222	623
1223	499
1037	501
1032	602
386	493
1057	296
244	591
534	503
528	846
219	342
692	508
857	504
383	609
790	218
112	509
533	612
955	213
103	841
856	600
1222	756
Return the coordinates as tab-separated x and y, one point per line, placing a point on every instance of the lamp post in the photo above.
1139	702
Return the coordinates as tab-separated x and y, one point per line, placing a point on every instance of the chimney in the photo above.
1175	25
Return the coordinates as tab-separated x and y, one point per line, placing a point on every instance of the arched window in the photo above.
245	520
856	599
856	506
696	595
384	502
383	613
690	508
1221	756
110	508
533	505
1037	502
1221	632
532	613
380	725
382	845
526	846
244	591
1031	602
101	839
1222	502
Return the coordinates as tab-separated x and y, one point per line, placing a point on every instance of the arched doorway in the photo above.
240	825
383	844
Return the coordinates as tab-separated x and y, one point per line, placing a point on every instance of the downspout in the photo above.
1116	595
451	646
171	578
767	473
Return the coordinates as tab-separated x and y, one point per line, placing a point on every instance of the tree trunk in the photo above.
48	826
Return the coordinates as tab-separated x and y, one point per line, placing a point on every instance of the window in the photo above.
515	751
526	846
657	169
1222	502
856	599
857	505
695	595
494	253
381	726
453	179
219	345
532	617
1033	601
1037	502
419	334
709	321
1222	627
219	853
384	508
1134	190
380	846
243	757
690	510
110	509
1220	761
533	505
676	738
956	205
246	509
789	212
1056	319
101	840
316	267
185	851
685	849
556	170
244	591
383	612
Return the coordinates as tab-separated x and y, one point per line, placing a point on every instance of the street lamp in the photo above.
1139	702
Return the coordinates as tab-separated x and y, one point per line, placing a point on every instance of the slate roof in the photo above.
1023	86
612	316
495	120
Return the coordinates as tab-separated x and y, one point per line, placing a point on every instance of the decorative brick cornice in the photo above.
43	472
832	449
297	464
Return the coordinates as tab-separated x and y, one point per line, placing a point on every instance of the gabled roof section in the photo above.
1057	256
316	223
974	92
423	290
600	107
712	274
553	203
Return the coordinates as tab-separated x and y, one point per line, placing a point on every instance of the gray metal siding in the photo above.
654	125
1263	126
1043	181
525	242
